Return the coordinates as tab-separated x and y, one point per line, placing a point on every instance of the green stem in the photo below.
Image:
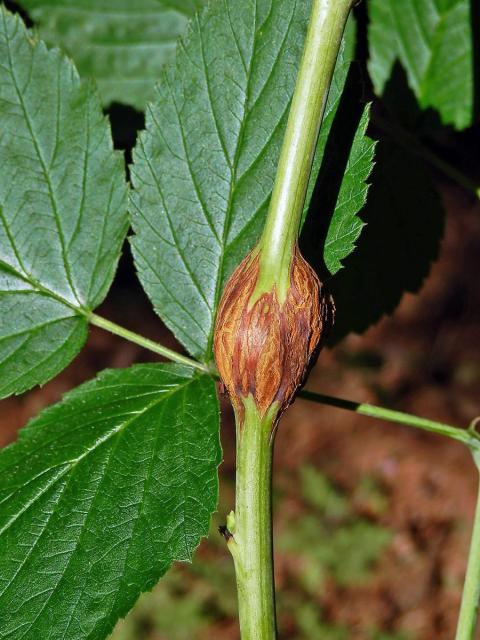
322	43
467	621
251	541
116	329
465	436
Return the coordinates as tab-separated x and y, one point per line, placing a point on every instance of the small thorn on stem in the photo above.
225	532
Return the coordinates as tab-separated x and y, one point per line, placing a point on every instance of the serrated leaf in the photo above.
405	219
122	44
433	41
100	495
62	208
204	169
345	226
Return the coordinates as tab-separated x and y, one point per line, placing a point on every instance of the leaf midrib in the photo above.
40	289
42	162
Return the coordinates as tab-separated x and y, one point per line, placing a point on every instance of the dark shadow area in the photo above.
334	162
361	49
400	105
399	108
361	18
404	219
126	122
403	214
16	8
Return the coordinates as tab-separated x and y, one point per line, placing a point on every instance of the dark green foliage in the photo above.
122	45
433	41
62	209
100	494
404	218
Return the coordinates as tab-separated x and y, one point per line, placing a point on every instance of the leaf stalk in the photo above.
466	436
155	347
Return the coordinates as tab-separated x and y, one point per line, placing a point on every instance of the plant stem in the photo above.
465	436
116	329
251	542
467	621
251	539
322	43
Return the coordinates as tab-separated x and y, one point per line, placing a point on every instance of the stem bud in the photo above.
264	347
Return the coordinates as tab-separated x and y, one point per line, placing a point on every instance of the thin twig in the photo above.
467	436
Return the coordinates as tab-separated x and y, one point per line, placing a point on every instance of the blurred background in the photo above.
372	520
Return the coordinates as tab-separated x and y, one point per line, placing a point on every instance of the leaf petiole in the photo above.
466	436
156	347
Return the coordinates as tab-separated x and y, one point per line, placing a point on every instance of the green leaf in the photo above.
345	226
122	44
433	41
62	209
204	169
100	495
405	219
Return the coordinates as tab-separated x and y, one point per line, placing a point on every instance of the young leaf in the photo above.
100	495
433	41
62	208
345	226
123	45
204	169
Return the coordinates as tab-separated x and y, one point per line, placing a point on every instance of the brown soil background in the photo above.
424	359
